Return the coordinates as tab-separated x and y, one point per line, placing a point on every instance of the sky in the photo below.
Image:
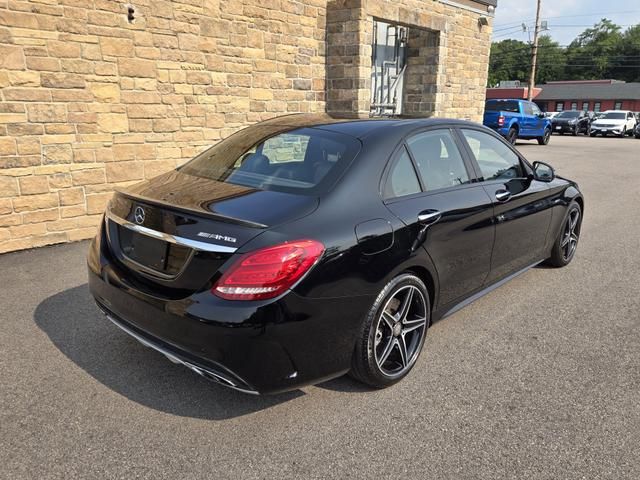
566	18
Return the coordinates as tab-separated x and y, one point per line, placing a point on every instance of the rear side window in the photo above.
298	160
495	158
402	179
504	106
438	159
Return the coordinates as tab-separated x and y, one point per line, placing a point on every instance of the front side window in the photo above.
536	110
528	109
268	158
438	159
495	158
402	179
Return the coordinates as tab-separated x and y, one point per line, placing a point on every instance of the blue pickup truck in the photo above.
514	119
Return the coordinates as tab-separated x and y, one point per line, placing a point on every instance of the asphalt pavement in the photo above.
540	379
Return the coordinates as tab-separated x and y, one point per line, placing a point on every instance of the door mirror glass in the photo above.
544	172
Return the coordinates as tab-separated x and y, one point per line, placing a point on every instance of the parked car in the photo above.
571	121
551	115
514	119
305	247
616	122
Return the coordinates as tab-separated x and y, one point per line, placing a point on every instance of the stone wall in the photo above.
90	100
454	87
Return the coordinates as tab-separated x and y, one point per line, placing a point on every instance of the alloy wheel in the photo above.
400	331
570	235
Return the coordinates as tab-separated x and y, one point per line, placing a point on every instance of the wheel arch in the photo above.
425	275
580	201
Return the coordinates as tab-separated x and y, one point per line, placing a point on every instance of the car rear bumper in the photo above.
254	347
504	131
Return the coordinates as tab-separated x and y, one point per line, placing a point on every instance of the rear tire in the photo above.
393	333
512	136
574	132
624	132
544	139
565	246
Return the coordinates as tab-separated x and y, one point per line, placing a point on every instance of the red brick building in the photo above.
593	95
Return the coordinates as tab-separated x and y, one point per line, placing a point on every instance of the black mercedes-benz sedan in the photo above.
306	247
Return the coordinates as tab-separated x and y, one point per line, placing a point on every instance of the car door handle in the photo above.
503	195
429	217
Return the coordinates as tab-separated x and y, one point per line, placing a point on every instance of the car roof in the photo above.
359	127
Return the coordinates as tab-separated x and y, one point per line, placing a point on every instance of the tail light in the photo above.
268	272
501	121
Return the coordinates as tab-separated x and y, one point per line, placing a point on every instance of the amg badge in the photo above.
216	236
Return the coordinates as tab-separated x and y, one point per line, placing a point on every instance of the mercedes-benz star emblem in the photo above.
138	215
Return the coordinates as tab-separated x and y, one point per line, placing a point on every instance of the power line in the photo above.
531	20
563	47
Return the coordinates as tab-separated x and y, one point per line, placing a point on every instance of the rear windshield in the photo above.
303	160
504	106
615	116
568	114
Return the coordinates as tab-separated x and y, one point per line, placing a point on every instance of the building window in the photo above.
596	107
617	106
574	105
559	106
585	106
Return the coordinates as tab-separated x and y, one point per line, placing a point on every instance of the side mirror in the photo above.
543	172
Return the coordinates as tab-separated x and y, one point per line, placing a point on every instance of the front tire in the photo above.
544	139
624	132
565	246
393	333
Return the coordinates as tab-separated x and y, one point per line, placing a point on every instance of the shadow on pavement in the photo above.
345	384
78	329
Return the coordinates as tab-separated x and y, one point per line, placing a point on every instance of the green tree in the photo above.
590	55
508	61
627	63
603	51
552	60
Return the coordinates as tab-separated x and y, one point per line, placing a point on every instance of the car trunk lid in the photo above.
175	231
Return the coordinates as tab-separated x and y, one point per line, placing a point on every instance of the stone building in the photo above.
96	94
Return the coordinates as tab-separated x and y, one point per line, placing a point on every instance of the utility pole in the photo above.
534	53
